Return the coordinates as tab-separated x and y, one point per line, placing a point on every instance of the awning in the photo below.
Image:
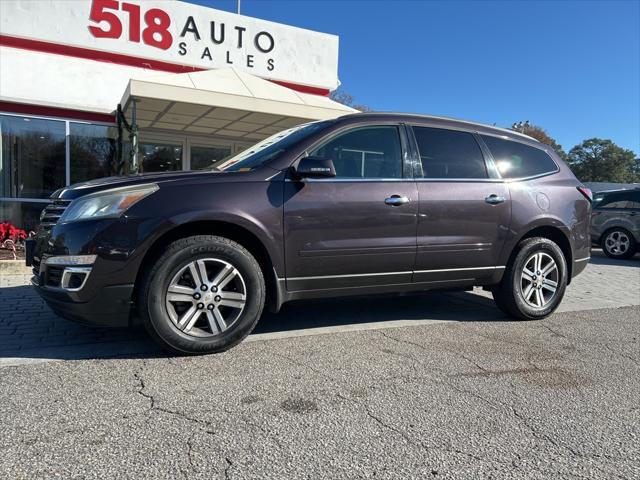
224	102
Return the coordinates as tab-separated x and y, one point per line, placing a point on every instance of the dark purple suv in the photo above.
364	204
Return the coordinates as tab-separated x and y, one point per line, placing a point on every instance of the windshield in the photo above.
268	149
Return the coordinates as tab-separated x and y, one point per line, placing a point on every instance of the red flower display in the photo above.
11	232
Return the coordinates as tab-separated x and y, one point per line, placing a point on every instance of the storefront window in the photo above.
32	157
204	157
159	157
25	215
93	150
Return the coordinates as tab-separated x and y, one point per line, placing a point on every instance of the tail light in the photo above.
588	194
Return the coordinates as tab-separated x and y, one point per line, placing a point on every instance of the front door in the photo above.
359	228
464	214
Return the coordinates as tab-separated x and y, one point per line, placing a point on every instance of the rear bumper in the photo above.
579	265
111	307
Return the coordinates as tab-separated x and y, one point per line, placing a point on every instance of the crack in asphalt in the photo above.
203	425
501	406
227	470
374	417
552	330
621	354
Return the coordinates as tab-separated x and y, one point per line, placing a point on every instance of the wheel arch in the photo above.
556	235
233	231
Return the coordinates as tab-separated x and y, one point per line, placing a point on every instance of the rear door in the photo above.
464	213
359	228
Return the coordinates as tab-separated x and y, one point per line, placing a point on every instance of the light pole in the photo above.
238	8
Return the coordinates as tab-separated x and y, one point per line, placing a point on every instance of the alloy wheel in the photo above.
206	297
539	280
617	243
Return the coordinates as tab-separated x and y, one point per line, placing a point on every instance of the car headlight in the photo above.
108	203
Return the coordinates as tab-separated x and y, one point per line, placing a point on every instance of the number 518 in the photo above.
157	22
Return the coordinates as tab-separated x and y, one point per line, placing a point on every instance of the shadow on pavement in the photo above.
30	331
599	258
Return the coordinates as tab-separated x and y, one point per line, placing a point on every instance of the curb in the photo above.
14	267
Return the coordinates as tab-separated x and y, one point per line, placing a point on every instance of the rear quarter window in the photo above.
517	160
617	200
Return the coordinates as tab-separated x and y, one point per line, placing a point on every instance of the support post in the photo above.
121	165
134	166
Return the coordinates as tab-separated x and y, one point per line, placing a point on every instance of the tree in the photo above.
348	100
539	134
598	160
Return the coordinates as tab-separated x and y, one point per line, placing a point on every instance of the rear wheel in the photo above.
205	294
618	243
534	282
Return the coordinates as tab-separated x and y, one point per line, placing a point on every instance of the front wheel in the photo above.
534	282
205	294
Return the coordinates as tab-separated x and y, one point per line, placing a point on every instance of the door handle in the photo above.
494	199
396	200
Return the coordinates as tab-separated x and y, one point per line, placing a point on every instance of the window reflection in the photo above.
205	157
32	157
25	215
158	157
94	151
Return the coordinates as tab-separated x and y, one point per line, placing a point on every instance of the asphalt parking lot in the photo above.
420	386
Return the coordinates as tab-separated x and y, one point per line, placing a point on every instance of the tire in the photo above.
509	295
618	243
193	326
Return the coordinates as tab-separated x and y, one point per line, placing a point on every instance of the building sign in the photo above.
179	33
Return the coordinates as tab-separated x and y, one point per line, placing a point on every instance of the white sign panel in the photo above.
178	33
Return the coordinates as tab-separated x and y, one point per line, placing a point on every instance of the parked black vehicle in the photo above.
615	222
364	204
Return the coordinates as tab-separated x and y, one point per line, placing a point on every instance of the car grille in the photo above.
52	213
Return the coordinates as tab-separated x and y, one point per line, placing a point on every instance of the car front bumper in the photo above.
111	307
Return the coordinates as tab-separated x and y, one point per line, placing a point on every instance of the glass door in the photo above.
204	155
160	154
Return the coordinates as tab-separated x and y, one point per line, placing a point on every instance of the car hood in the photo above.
85	188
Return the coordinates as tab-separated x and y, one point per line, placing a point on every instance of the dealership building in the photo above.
94	88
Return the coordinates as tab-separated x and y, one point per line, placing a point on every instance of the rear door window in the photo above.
618	200
517	160
449	154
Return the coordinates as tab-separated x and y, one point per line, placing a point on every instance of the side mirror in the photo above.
315	167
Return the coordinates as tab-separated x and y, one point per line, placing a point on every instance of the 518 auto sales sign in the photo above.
177	33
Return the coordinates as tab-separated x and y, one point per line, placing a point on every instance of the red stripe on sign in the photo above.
26	109
120	59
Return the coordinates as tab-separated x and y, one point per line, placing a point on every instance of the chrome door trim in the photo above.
494	267
350	275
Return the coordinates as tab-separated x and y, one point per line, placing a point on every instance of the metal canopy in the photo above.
224	102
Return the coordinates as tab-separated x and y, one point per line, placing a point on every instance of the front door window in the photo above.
370	152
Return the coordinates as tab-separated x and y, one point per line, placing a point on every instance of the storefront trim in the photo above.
55	113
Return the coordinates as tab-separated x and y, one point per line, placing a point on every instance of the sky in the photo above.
571	67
